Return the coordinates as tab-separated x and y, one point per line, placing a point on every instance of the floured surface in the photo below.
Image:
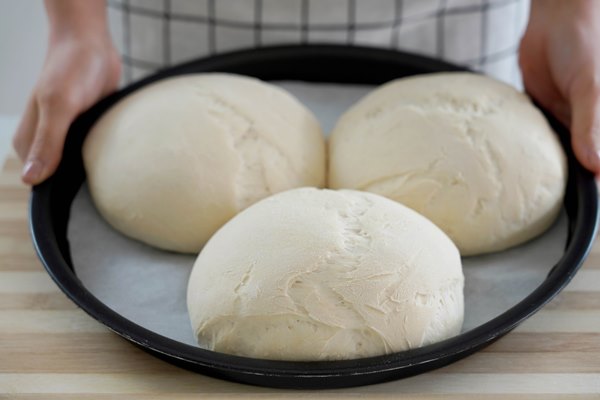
148	286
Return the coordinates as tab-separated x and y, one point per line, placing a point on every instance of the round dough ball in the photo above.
470	153
313	274
172	162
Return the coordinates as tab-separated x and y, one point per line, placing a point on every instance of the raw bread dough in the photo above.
171	163
313	274
472	154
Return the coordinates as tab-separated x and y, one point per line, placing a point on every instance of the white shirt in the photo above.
481	34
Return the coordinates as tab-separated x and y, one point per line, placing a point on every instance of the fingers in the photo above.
55	114
24	134
540	85
550	99
585	126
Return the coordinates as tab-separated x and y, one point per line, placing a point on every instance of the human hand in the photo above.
76	73
560	62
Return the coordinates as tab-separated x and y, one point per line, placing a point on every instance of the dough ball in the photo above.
472	154
172	162
313	274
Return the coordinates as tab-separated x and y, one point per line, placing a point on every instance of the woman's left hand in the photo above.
560	62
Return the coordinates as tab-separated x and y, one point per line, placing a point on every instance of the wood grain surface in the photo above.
49	349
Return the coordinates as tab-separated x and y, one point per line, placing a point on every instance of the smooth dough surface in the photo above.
313	274
172	162
470	153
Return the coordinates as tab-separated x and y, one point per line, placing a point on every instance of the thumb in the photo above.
47	145
585	125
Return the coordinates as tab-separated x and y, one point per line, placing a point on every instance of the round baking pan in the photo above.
51	202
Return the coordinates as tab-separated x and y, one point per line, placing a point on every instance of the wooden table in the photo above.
49	349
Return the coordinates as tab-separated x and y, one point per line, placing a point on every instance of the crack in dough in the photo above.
256	154
345	260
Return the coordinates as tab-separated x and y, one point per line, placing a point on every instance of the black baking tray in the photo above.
51	201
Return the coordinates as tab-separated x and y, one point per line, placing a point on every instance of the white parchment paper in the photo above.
148	286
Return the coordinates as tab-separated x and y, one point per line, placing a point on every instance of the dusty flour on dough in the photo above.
472	154
172	162
311	274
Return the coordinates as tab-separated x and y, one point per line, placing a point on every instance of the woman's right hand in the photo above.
77	72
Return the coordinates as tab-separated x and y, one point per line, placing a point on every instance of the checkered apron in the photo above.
481	34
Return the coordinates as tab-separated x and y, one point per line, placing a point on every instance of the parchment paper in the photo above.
148	286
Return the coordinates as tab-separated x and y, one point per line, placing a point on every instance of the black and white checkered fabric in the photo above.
482	34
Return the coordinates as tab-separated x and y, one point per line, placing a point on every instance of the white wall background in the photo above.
23	30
